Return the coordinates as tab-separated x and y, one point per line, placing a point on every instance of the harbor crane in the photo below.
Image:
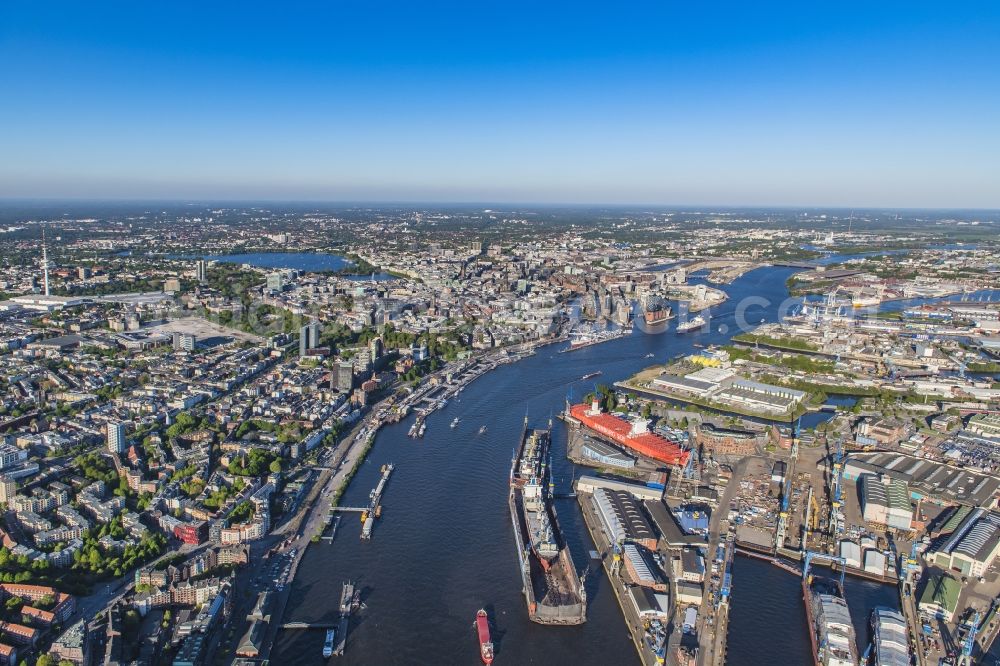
692	452
786	491
832	559
969	644
812	519
779	535
836	515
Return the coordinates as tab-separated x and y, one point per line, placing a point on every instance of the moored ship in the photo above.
830	627
633	435
890	644
485	642
581	338
694	322
553	591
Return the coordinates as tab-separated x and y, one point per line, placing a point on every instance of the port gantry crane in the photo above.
832	559
836	515
969	644
782	528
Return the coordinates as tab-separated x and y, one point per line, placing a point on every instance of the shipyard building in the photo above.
606	454
925	479
622	518
640	570
940	597
972	546
885	501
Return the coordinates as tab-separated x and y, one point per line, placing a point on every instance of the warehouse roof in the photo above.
666	522
927	477
629	513
942	591
977	537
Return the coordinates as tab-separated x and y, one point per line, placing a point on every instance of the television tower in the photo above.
45	263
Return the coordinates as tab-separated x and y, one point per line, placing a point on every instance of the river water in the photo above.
444	546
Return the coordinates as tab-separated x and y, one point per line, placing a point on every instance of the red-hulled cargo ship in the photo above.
485	644
631	436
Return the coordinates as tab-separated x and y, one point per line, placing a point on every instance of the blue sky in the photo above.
867	104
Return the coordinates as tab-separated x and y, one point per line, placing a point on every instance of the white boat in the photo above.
328	644
454	422
482	430
694	322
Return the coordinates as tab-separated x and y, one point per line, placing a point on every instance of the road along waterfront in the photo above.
444	547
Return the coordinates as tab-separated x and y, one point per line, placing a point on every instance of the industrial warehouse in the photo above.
885	501
926	479
622	516
973	545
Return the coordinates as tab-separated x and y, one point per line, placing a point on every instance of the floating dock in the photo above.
553	591
348	602
373	510
374	506
333	532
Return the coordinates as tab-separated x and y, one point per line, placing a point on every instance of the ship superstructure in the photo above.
833	628
889	639
831	631
694	322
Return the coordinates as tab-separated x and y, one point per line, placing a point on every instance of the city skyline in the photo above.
781	106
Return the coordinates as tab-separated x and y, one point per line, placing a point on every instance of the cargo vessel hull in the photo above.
620	432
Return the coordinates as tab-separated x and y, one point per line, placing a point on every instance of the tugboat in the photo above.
485	644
